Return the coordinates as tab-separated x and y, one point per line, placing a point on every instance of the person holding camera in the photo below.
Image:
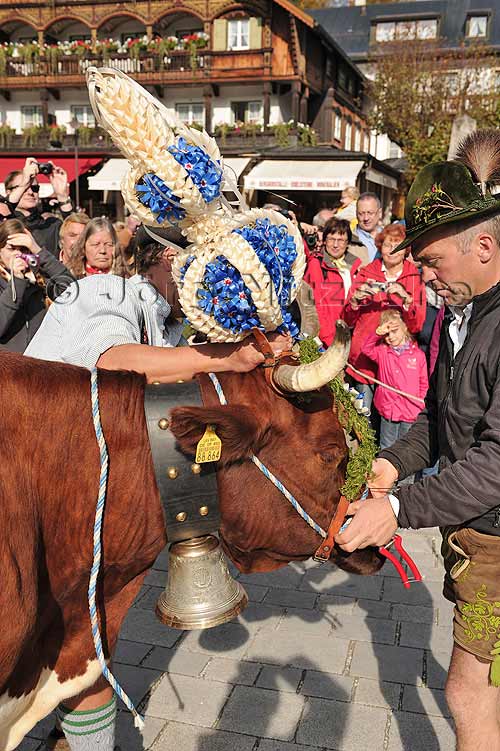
22	189
331	275
28	275
391	281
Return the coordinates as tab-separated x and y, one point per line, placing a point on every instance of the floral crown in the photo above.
243	267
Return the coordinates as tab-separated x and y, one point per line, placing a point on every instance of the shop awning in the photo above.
236	165
380	178
273	174
109	176
66	161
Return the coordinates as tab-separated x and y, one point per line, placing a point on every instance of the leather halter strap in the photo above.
324	551
271	359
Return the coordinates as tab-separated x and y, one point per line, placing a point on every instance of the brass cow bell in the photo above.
200	591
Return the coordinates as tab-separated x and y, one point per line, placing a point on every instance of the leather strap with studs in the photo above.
188	491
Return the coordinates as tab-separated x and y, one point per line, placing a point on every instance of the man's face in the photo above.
29	199
71	233
369	214
452	274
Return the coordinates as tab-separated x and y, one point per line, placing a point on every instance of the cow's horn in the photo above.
313	375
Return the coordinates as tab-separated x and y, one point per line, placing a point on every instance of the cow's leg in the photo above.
88	720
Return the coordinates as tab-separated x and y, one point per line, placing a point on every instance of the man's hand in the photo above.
384	475
373	524
247	355
59	182
30	170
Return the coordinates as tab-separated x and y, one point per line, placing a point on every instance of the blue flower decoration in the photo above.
184	268
276	249
225	297
203	171
159	198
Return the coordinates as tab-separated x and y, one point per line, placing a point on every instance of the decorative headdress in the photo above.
446	192
243	266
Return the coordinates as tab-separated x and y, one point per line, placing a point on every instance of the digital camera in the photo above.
32	259
311	240
381	286
45	168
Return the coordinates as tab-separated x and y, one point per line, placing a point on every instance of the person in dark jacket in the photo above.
22	189
29	275
453	223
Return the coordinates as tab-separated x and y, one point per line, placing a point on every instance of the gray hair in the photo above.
464	232
370	196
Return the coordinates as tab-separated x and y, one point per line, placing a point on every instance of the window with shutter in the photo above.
255	33
220	34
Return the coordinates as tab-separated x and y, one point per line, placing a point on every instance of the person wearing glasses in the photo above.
22	189
369	216
330	273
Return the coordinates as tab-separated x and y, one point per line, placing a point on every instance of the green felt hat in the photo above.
446	192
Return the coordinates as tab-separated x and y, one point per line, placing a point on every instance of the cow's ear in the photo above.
241	433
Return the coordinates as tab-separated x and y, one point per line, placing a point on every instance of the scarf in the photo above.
401	348
336	263
89	270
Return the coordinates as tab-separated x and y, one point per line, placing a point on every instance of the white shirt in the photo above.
99	312
390	278
458	326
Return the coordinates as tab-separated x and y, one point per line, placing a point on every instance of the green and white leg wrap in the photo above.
91	730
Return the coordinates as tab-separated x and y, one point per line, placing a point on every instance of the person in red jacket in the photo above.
330	273
401	364
388	282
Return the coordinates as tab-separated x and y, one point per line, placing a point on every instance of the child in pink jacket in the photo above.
402	365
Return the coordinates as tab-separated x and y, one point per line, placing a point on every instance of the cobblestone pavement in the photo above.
320	659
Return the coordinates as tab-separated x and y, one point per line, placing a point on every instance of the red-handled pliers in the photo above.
398	544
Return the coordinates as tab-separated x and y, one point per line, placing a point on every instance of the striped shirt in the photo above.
99	312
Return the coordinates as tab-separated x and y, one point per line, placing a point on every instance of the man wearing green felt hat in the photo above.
453	227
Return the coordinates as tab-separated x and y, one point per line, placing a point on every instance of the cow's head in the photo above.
301	441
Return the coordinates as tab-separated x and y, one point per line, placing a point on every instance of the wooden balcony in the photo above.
177	66
97	141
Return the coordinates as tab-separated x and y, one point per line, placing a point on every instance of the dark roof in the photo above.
350	26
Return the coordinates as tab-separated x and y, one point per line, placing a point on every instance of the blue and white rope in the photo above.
265	471
96	563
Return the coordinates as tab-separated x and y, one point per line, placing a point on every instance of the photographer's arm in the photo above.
9	306
168	364
54	271
30	170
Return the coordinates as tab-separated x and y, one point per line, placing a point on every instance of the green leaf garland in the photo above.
360	461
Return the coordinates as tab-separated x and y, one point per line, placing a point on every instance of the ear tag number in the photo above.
209	447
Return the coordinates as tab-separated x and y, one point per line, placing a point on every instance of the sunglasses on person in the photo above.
34	187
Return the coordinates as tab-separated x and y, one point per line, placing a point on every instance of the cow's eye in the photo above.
327	457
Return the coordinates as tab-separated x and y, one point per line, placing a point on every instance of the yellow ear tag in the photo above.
209	447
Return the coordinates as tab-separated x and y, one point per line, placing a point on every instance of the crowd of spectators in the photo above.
352	274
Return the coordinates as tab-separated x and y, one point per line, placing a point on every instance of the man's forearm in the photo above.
168	364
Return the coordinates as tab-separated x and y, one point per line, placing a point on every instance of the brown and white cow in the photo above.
48	489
